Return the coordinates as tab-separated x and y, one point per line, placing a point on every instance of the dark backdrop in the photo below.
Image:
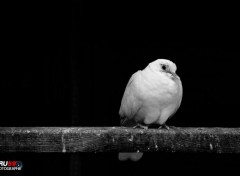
67	64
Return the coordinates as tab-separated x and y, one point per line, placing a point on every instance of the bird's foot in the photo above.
164	126
141	126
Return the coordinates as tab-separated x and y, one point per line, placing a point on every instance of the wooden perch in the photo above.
115	139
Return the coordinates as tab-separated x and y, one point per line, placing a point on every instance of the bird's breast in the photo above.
159	87
157	94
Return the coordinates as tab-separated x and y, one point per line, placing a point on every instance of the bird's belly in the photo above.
159	101
150	111
154	108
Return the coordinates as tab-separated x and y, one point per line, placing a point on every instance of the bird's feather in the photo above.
130	102
180	96
151	97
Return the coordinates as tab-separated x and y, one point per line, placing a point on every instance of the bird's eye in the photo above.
164	67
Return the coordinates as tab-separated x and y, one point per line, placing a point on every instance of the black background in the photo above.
67	64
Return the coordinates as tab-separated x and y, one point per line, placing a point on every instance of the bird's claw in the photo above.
140	126
164	126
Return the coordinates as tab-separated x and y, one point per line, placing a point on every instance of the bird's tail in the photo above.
131	156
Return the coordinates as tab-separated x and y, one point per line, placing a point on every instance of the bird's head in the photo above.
164	66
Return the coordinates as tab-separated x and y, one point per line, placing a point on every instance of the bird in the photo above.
152	96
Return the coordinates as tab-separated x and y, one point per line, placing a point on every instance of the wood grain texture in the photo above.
115	139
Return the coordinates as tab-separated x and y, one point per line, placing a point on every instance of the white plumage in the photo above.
151	97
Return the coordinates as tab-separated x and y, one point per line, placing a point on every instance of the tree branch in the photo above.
115	139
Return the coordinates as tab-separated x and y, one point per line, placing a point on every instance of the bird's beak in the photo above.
173	75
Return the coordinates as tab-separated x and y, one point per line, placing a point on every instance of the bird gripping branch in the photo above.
151	96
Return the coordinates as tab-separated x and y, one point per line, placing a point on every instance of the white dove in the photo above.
151	97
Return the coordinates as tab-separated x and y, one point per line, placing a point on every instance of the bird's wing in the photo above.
130	102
